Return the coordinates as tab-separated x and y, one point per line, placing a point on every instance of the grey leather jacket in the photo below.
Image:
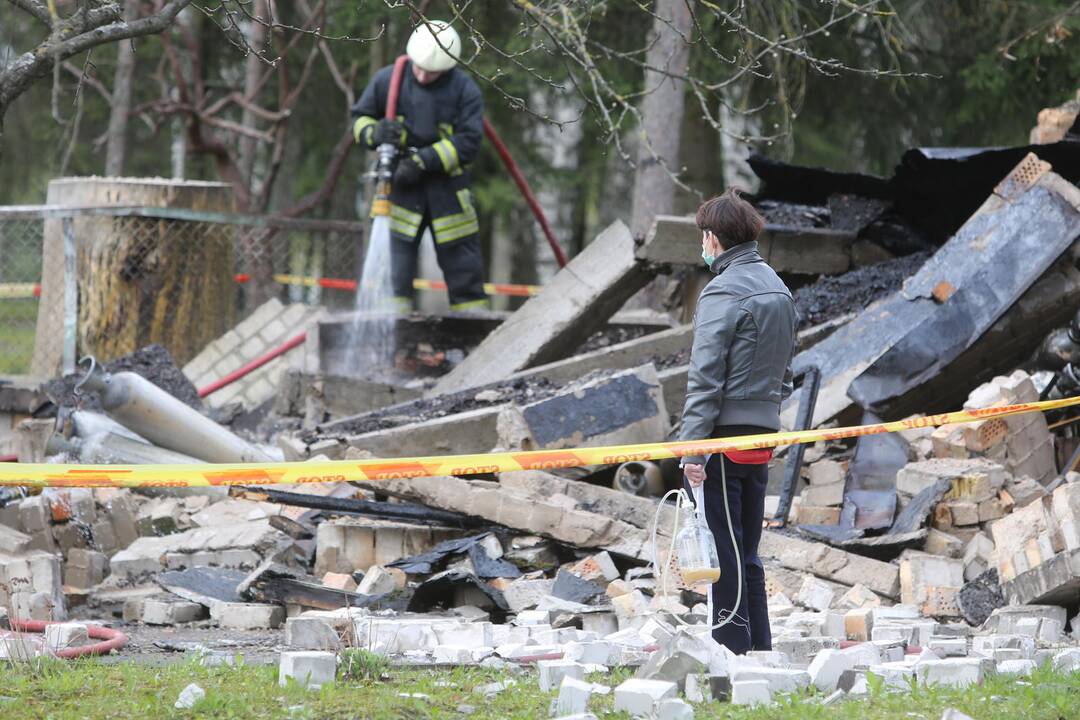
744	338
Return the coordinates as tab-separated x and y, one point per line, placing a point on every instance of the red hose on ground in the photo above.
110	639
253	365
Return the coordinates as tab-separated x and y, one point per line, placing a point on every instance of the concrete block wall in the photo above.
270	325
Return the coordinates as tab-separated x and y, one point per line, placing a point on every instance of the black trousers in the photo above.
749	628
460	260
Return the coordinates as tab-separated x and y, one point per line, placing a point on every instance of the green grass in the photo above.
90	688
18	322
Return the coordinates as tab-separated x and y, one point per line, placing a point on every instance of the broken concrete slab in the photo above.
831	563
470	432
888	356
1054	582
350	544
572	305
204	585
973	479
531	514
247	616
676	240
311	633
632	509
625	408
171	611
237	545
316	396
632	353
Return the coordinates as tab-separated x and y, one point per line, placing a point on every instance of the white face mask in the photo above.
706	255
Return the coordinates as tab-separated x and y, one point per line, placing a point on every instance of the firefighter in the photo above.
437	131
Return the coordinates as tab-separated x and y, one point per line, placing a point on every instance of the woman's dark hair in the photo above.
730	218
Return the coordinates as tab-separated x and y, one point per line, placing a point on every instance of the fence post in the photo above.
71	299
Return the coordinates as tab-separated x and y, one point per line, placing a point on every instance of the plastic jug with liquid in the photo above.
695	547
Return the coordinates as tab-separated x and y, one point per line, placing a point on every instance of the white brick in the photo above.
952	672
377	581
460	654
311	633
62	636
826	668
170	612
638	697
1067	661
530	618
310	668
592	653
189	697
948	646
477	634
782	680
247	616
674	709
574	696
553	671
815	594
1016	667
750	692
895	675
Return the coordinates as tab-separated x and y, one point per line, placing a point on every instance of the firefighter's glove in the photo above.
389	132
409	171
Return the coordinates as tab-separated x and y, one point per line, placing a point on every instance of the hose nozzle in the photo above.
384	175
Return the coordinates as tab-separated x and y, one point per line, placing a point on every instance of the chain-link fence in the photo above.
20	288
106	281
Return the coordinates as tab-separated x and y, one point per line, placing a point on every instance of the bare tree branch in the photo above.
75	35
35	8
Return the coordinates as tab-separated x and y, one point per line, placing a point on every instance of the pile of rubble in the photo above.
940	554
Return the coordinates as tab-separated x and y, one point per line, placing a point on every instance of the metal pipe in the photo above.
255	364
807	401
138	404
87	423
639	478
108	448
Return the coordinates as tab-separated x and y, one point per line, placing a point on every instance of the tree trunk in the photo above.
737	122
121	98
661	115
253	70
140	280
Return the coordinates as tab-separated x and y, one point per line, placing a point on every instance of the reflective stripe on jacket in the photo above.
444	120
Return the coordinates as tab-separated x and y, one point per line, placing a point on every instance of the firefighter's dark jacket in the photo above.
445	121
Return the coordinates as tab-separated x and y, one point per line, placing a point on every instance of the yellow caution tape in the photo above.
48	475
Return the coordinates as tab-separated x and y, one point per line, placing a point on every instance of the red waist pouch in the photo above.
760	456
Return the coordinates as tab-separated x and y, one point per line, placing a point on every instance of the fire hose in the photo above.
381	206
109	639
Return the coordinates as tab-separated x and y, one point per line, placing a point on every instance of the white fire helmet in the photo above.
429	54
